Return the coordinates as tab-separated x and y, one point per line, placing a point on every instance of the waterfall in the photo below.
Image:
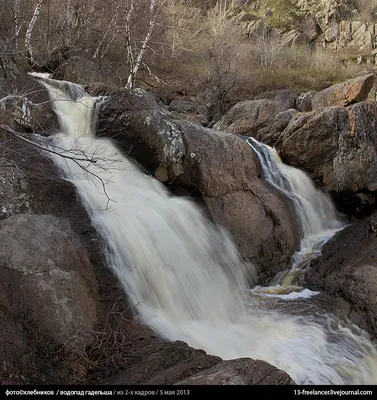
183	274
316	214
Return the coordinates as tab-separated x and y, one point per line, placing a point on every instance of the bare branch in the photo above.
30	28
154	8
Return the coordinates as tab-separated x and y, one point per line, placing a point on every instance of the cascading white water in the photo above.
185	276
316	214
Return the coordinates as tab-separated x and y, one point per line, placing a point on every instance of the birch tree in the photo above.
110	30
154	10
33	21
184	24
17	26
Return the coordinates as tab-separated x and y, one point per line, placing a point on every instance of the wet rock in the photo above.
337	147
221	167
347	269
239	372
176	363
124	100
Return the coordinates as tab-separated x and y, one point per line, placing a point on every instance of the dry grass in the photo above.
301	69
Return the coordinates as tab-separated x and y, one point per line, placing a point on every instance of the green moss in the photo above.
285	13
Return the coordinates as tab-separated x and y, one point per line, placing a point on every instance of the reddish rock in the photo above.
345	93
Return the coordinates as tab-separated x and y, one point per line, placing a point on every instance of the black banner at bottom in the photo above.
186	391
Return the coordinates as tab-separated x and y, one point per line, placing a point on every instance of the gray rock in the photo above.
304	102
54	277
347	269
176	363
183	106
243	371
80	70
14	195
249	116
221	167
337	147
285	97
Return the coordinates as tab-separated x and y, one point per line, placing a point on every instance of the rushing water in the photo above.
316	214
185	276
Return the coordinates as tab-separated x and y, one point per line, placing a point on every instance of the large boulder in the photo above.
45	273
80	70
27	106
242	371
337	146
347	269
220	167
14	195
250	115
345	93
178	364
285	97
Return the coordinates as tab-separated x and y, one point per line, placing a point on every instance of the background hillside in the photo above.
222	51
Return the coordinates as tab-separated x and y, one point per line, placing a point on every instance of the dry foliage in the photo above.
175	43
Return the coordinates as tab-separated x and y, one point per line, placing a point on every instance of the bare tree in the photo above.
184	24
17	25
222	51
269	46
30	28
103	47
154	9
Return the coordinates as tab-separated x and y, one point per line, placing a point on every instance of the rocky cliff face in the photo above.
347	269
336	25
332	138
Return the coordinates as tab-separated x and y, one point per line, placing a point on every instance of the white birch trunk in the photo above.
152	24
30	28
68	22
110	27
17	23
130	55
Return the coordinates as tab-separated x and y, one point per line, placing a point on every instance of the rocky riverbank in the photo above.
64	316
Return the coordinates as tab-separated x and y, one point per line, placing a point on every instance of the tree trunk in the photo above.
33	21
17	23
136	67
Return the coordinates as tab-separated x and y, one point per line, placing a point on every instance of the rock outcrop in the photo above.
335	143
221	168
347	268
335	26
337	147
250	115
345	93
176	363
51	271
239	372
